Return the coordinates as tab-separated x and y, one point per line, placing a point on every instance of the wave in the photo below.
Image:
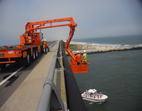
106	44
97	44
139	45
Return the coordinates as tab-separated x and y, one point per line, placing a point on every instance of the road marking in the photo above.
1	83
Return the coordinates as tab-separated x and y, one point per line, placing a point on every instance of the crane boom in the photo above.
30	28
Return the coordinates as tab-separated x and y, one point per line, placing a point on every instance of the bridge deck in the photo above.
27	95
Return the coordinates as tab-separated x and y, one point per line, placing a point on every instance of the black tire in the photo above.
19	62
41	49
28	58
2	66
36	53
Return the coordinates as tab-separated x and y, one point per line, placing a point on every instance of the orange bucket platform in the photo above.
81	68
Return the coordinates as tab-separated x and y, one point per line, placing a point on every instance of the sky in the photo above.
94	18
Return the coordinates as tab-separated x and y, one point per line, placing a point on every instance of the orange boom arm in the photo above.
30	29
30	35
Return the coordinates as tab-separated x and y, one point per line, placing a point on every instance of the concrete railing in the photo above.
50	94
51	99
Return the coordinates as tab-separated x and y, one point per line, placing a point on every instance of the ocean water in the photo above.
117	74
123	41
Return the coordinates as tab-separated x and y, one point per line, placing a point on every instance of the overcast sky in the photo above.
95	18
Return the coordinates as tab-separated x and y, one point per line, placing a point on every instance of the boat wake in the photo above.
98	103
90	103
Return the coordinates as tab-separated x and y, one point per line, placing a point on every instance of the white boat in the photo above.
93	96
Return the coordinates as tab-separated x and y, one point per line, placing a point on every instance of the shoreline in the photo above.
91	49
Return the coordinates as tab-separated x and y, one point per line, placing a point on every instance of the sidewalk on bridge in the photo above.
27	95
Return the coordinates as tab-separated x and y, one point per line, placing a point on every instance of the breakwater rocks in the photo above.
93	51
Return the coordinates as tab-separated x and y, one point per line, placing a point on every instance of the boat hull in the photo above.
94	100
93	96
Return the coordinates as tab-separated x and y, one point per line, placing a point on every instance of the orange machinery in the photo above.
31	44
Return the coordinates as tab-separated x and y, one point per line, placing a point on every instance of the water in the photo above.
111	41
117	74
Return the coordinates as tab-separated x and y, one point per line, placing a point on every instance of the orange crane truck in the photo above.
29	49
31	45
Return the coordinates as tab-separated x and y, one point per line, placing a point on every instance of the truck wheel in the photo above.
28	58
36	53
19	62
34	56
41	49
2	66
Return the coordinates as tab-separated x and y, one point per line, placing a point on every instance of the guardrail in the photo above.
50	98
49	89
75	102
